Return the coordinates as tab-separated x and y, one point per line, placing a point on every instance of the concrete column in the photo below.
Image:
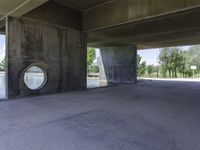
60	51
118	64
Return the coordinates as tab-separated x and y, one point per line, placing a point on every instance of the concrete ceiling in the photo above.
18	7
8	5
172	30
1	15
82	4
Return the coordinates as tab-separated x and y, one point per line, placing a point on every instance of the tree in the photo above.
141	66
91	55
164	60
172	60
150	69
139	58
177	60
156	69
3	65
94	69
193	56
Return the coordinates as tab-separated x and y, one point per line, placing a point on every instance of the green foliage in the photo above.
193	56
139	58
94	69
141	66
150	69
91	54
3	65
172	60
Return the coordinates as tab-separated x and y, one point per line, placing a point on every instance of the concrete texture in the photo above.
60	51
120	12
57	14
151	115
145	23
18	8
2	27
82	5
118	64
175	29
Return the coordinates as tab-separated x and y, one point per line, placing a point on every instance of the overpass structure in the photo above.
54	35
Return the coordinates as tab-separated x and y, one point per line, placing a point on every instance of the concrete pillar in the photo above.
60	51
118	64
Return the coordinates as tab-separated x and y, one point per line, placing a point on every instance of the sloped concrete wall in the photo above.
60	51
118	64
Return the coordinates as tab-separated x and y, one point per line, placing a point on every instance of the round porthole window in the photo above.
35	78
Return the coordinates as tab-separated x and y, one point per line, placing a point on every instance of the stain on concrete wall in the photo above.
118	64
60	51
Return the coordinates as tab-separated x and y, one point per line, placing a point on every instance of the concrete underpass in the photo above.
50	37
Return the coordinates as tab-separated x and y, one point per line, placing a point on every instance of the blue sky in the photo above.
2	47
150	56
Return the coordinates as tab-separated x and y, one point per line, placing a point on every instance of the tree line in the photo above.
173	62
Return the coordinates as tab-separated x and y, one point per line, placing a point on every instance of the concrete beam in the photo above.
120	12
181	26
169	43
57	14
18	7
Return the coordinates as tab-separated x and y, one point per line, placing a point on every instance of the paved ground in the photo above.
172	79
151	115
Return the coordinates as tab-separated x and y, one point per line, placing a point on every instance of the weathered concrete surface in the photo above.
171	30
118	64
119	12
18	8
57	14
82	5
60	51
2	26
145	23
146	116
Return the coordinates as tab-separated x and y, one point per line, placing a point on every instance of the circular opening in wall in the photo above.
35	78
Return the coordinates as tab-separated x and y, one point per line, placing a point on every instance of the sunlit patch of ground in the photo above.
171	79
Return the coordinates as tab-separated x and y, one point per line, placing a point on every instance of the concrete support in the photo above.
118	64
60	51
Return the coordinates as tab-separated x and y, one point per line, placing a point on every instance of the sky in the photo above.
2	47
150	56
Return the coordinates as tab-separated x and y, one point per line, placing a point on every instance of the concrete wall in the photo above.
60	51
118	64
